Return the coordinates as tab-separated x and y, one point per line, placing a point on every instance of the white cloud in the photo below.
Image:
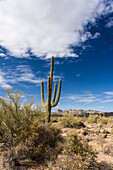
107	101
109	93
2	55
110	23
58	62
83	98
3	82
96	35
87	97
46	27
24	74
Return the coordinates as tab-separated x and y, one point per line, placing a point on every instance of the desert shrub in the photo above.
92	118
38	142
68	120
54	119
99	119
108	149
2	131
15	115
78	154
105	120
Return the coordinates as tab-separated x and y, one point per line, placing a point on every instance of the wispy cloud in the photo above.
96	35
84	98
25	74
3	82
108	97
109	23
88	97
58	62
20	74
107	101
109	93
47	27
2	55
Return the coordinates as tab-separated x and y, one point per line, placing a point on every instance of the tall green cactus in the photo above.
55	99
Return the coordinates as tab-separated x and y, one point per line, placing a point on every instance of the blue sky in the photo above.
78	33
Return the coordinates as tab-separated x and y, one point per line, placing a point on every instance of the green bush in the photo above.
38	142
2	130
92	118
68	120
78	154
99	119
54	119
105	120
14	114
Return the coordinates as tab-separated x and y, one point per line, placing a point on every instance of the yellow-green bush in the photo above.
2	130
14	114
78	154
38	142
68	120
92	118
99	119
54	119
105	120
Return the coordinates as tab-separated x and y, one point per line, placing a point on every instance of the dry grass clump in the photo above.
108	149
68	120
38	142
14	114
55	119
77	154
99	119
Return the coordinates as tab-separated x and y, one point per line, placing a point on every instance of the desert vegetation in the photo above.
67	142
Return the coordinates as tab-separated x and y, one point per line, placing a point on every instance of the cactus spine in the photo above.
55	99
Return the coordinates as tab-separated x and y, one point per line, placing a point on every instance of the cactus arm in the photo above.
58	95
54	94
42	94
51	75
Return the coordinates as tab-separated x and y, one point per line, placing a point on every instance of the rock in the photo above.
105	136
85	132
104	131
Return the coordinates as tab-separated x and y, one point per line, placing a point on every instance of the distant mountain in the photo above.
81	113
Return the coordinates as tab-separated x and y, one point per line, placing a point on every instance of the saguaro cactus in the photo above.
50	102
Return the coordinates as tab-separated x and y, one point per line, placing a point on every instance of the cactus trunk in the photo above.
48	114
49	105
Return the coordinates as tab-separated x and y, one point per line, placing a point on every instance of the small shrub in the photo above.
68	120
104	120
54	119
2	130
14	115
78	154
108	149
92	118
38	142
99	119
